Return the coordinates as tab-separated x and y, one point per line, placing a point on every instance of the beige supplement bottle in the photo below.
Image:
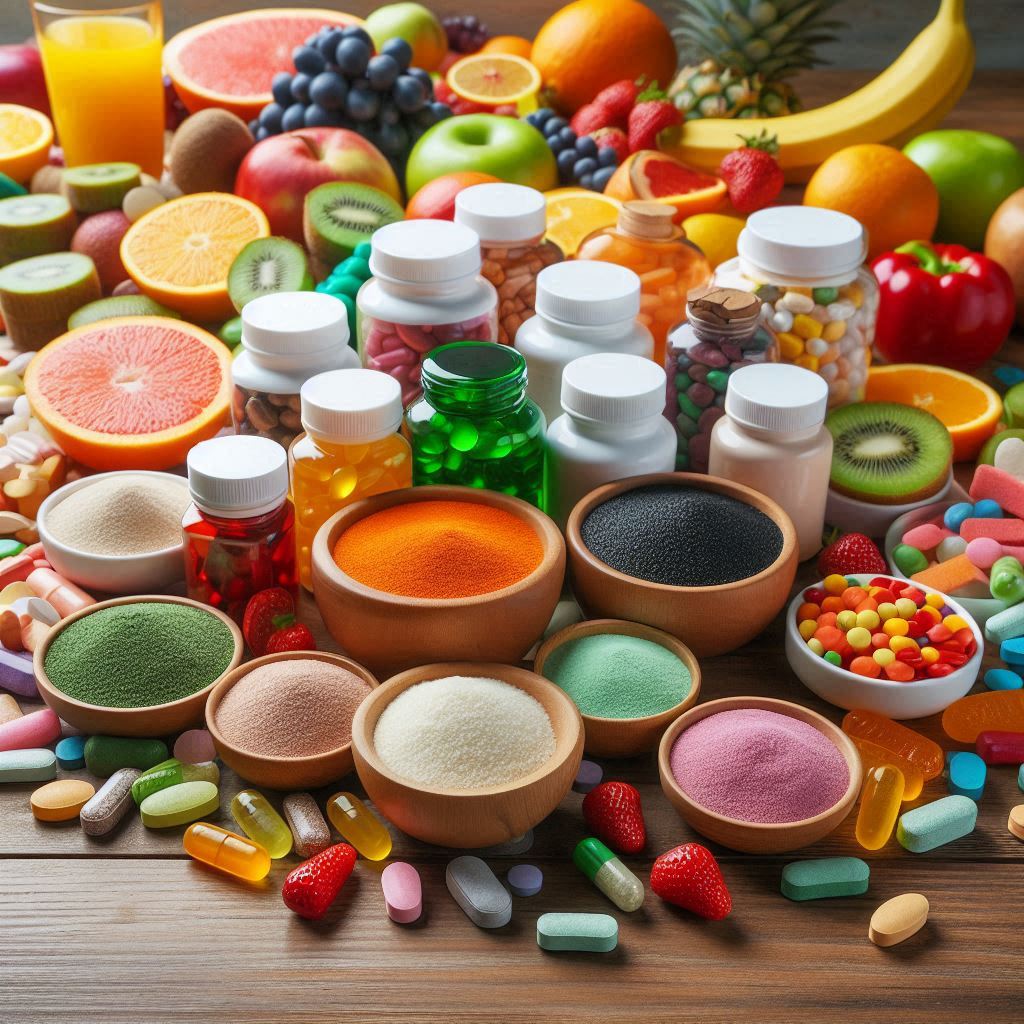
773	438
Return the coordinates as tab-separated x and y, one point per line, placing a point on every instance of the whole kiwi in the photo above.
207	149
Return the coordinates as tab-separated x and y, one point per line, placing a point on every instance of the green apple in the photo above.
419	27
974	172
506	147
987	455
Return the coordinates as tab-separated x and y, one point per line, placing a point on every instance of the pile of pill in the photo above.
889	628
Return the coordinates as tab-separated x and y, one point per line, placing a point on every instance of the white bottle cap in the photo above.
794	244
611	387
498	212
352	406
776	396
588	293
294	324
238	476
424	251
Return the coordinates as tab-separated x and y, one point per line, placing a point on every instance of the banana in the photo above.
911	96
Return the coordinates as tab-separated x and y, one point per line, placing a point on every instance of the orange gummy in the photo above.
866	667
910	745
997	710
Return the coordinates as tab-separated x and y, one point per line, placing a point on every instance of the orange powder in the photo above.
439	549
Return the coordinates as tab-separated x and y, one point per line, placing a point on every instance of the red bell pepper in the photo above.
941	304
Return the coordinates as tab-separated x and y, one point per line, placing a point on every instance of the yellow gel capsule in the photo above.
260	822
226	851
880	801
359	826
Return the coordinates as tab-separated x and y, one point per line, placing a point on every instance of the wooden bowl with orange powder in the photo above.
431	574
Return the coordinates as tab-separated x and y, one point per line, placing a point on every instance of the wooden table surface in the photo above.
127	929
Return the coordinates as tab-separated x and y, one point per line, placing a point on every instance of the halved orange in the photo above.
493	79
573	213
969	408
518	46
25	139
131	392
181	251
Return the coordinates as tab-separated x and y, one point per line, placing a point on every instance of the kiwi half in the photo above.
888	454
38	295
34	224
93	188
339	215
118	305
266	266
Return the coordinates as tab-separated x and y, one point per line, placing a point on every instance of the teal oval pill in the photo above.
1020	778
71	753
825	877
1012	651
584	933
33	764
1003	679
987	509
935	824
909	559
966	774
10	547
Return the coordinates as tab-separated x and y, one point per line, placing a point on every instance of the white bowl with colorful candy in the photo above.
883	644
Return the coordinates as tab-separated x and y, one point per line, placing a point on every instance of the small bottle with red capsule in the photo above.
239	529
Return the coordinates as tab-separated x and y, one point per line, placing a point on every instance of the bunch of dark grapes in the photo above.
339	82
580	161
466	33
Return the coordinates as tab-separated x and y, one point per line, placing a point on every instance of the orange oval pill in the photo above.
897	919
61	800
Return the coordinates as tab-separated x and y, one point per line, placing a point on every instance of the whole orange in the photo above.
590	44
516	45
886	191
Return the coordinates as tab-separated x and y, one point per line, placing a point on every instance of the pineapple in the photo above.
747	50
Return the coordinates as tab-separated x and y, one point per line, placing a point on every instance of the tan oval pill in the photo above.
1015	823
61	800
897	919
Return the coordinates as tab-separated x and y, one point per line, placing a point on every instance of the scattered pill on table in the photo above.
194	747
525	880
173	772
583	933
61	800
996	747
1003	679
897	919
227	851
825	877
587	777
36	729
9	709
967	774
1015	822
609	874
403	892
33	764
880	799
259	820
359	826
71	753
935	824
111	803
105	754
179	805
310	831
476	889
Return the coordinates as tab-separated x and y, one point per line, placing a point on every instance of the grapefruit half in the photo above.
230	62
650	174
134	392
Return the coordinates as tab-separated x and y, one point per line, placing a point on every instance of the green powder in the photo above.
613	676
139	655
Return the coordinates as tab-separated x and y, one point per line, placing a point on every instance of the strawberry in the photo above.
614	138
262	614
589	118
752	174
689	877
617	101
291	637
613	813
853	552
311	888
653	114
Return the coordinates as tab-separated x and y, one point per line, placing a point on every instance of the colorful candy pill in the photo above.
483	899
71	753
525	880
33	764
1003	679
261	823
996	711
911	746
37	729
172	773
310	832
228	852
1012	651
956	514
924	537
897	919
582	933
359	826
609	874
61	800
105	754
1000	747
1015	822
935	824
110	804
880	800
874	756
9	709
403	892
967	774
950	548
178	805
825	877
1006	580
588	775
909	559
194	747
987	509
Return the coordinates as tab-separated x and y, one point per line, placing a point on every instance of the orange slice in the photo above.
25	139
493	79
131	392
969	409
181	251
573	213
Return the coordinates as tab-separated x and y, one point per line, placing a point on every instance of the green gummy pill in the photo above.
104	755
825	296
363	250
354	267
717	380
172	773
682	381
585	933
688	407
833	657
908	559
9	547
825	877
231	332
178	805
935	824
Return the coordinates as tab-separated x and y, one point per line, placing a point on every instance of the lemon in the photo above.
715	234
573	213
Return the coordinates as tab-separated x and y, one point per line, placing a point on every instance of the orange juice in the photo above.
105	81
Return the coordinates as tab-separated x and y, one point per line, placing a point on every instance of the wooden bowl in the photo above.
709	620
470	818
749	836
625	737
283	772
158	720
390	633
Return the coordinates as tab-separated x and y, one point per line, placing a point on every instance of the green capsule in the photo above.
261	823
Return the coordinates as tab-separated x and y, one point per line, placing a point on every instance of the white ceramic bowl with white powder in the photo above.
117	533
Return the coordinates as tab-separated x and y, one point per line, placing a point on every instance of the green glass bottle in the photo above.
474	425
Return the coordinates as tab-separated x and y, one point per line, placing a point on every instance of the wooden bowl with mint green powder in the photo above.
120	670
630	681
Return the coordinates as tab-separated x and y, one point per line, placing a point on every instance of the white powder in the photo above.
127	514
464	733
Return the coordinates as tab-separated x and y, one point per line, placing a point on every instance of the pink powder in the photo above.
759	766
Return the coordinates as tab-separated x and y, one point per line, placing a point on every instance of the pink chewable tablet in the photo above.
925	537
194	747
983	552
403	892
38	729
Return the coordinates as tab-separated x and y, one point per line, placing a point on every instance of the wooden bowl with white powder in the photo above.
117	533
478	756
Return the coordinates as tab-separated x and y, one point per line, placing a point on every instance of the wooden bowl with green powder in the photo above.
630	681
136	666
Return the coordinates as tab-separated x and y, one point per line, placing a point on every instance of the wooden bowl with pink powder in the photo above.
759	775
284	721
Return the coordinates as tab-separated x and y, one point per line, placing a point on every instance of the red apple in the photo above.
21	77
277	173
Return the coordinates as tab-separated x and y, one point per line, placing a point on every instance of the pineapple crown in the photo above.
773	39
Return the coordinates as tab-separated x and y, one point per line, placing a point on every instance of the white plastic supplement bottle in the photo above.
612	427
583	307
773	438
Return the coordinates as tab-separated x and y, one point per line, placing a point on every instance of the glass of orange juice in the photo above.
105	80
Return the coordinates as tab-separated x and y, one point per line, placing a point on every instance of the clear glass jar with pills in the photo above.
806	266
426	291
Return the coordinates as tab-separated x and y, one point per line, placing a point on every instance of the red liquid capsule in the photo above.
1000	747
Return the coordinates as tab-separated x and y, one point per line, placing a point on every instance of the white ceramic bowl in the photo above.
895	700
851	515
147	573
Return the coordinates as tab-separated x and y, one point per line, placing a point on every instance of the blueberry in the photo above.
294	117
317	117
382	72
586	146
586	180
566	160
409	94
362	104
300	88
270	117
543	115
309	60
556	145
327	43
440	110
260	134
601	177
352	56
254	125
282	88
329	90
607	157
423	76
393	139
389	113
556	124
424	117
355	32
400	50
